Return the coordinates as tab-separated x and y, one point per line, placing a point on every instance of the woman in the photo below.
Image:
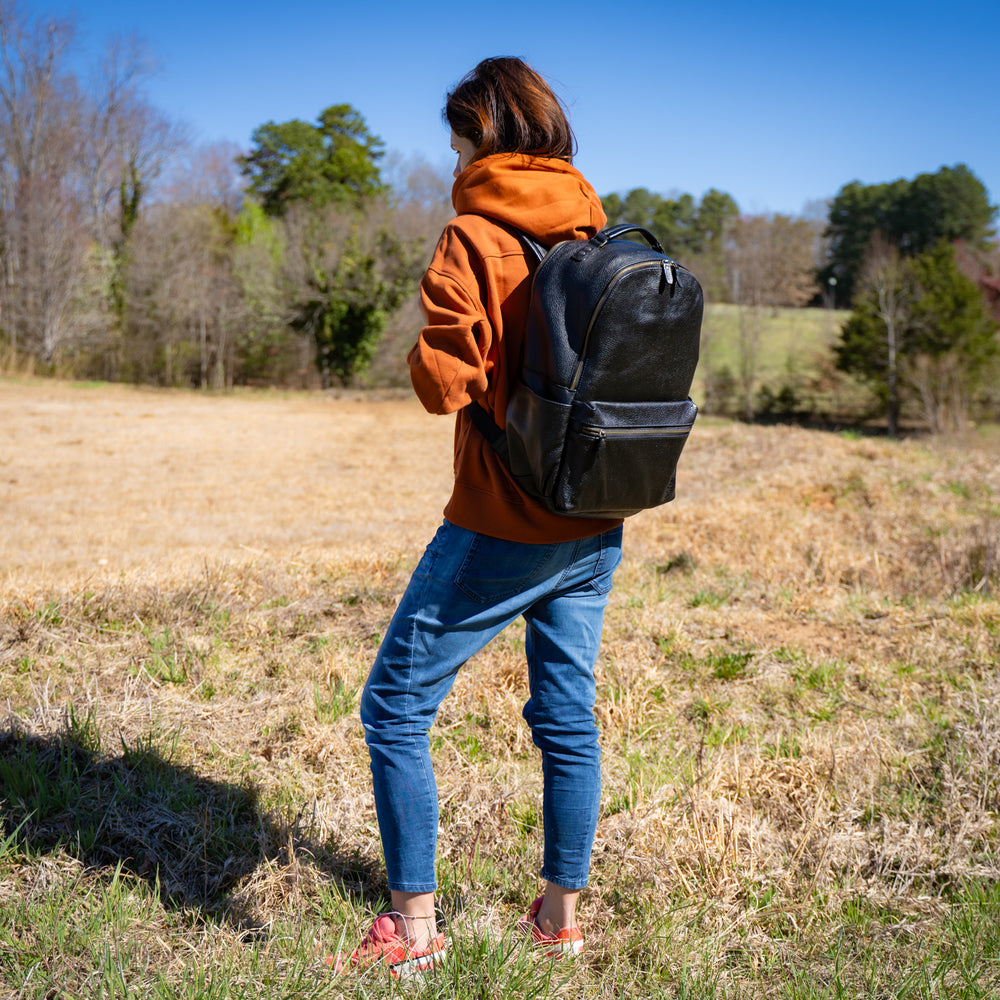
499	554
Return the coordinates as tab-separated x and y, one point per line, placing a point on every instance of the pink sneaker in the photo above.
383	946
568	941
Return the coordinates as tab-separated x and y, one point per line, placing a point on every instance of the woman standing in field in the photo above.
499	554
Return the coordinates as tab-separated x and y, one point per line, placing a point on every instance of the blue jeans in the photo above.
466	589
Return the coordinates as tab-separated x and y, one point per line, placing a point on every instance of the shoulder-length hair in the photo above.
504	106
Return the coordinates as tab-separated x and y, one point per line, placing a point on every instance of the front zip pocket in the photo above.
621	458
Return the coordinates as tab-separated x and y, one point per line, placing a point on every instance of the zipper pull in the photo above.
669	274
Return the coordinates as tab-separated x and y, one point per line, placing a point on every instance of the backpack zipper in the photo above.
600	433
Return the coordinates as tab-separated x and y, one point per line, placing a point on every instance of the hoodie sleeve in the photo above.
449	364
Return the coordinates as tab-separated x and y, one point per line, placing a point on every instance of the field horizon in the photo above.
798	696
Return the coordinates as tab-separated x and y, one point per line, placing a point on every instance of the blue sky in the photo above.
777	103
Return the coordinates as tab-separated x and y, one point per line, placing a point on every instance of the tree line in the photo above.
127	254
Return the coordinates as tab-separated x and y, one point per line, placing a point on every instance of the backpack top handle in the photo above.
615	232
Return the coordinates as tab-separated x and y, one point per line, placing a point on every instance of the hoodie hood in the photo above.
547	198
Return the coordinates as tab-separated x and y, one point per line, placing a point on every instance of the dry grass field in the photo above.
798	693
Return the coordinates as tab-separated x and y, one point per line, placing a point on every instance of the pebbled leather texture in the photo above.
638	334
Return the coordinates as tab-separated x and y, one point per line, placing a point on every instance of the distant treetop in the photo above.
332	162
913	216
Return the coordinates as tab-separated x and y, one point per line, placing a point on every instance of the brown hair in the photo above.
504	106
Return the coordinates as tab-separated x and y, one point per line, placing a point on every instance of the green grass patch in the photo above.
793	373
334	700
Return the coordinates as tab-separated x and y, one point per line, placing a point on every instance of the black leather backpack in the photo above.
598	418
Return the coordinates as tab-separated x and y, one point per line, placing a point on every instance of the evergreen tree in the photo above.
346	271
332	162
930	317
914	216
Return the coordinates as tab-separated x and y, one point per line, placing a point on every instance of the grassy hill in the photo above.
791	339
795	354
798	695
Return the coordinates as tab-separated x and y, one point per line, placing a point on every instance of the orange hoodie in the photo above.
475	295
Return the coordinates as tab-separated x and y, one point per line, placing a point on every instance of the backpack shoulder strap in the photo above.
487	426
538	249
482	421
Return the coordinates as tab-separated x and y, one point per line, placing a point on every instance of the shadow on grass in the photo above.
198	839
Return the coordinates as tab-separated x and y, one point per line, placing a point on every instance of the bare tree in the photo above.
75	165
185	306
50	267
127	143
770	261
940	384
40	233
420	209
207	174
884	276
421	198
115	99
